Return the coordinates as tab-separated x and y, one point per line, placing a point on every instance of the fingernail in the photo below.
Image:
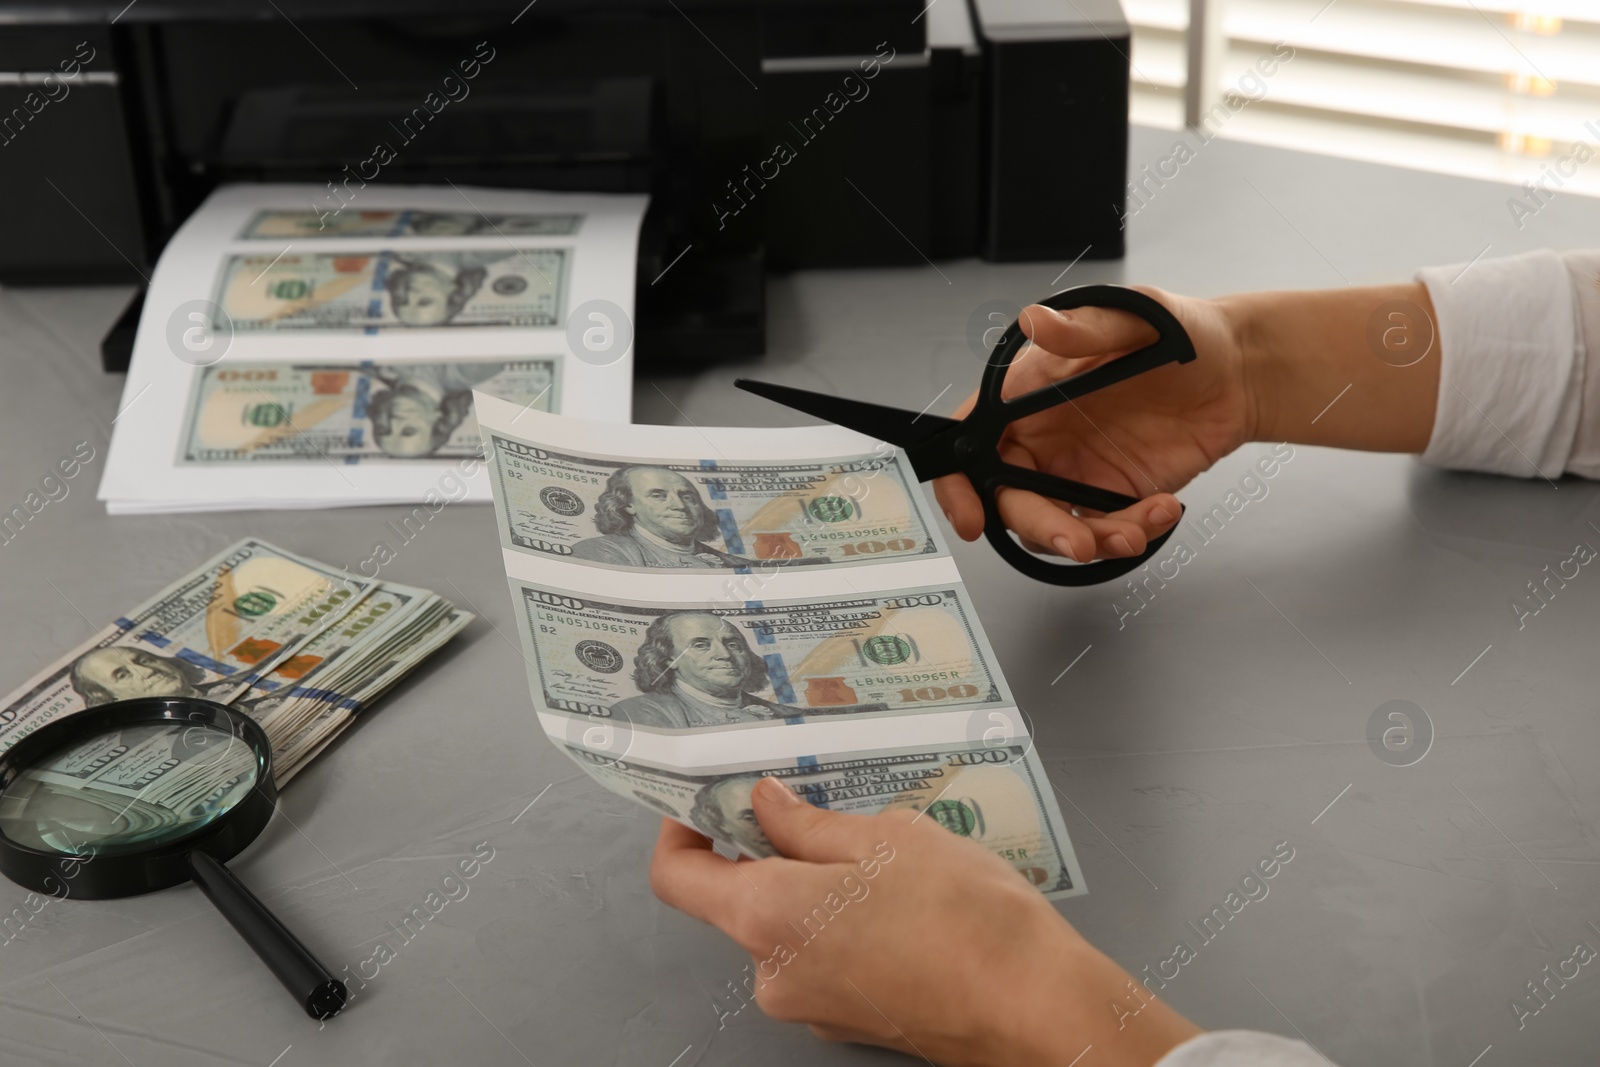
1160	516
1119	544
951	519
776	792
1063	546
1064	316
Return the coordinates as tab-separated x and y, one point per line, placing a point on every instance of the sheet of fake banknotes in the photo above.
299	646
303	347
700	608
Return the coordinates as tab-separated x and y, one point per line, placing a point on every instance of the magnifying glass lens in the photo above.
127	789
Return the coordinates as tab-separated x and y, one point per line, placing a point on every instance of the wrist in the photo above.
1300	353
1244	317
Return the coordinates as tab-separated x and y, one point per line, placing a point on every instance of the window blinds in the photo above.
1495	89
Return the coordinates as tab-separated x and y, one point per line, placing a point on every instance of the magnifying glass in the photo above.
139	795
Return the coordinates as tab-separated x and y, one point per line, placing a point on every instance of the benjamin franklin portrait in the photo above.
118	673
695	669
723	812
654	517
431	290
423	404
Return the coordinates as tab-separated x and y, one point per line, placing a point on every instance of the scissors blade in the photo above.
894	425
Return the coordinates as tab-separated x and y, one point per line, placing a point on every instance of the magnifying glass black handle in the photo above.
318	991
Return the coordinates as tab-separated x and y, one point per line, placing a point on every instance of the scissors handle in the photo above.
1104	570
990	474
1172	345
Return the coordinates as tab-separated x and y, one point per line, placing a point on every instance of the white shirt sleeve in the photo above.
1516	392
1242	1048
1585	270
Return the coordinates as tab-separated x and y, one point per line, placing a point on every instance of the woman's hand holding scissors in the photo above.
1268	364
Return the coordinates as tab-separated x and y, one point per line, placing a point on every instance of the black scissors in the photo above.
937	446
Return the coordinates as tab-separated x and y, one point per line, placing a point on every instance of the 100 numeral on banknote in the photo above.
705	513
686	667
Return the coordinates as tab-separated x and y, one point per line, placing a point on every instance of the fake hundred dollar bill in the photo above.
380	675
304	704
997	795
279	637
685	666
351	412
678	669
212	634
411	223
375	290
324	668
696	513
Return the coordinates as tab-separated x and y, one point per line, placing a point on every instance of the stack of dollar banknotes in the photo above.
700	608
299	646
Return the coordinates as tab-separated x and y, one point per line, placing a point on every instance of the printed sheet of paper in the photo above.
293	356
700	608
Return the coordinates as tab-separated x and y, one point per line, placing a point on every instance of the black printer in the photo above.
771	134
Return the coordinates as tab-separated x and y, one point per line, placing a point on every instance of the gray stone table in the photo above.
1230	715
